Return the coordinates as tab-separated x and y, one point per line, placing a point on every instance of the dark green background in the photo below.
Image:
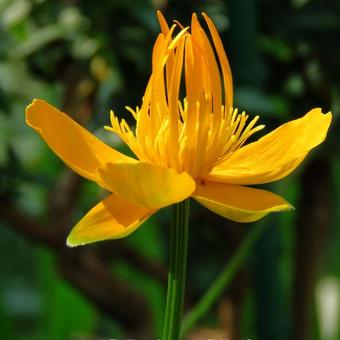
88	57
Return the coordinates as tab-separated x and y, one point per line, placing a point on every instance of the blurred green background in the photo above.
88	57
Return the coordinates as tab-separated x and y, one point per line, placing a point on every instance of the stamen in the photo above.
199	132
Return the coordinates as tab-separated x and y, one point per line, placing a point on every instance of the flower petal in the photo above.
112	218
77	147
238	203
146	184
275	155
227	76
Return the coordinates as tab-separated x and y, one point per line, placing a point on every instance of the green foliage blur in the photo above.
88	57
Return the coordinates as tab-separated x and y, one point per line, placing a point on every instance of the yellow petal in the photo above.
162	22
238	203
227	76
77	147
146	184
112	218
275	155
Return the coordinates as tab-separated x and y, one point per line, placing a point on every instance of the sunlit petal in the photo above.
146	184
112	218
77	147
227	76
275	155
238	203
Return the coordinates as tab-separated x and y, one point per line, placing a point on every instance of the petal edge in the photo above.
112	218
239	203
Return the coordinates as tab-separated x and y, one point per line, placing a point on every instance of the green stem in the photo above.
177	271
222	281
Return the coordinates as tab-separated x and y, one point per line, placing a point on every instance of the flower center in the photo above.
199	132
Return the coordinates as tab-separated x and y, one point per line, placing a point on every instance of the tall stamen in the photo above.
198	132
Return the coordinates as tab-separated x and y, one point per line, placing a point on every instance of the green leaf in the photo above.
66	313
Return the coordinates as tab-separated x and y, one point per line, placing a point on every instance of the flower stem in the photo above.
177	271
221	282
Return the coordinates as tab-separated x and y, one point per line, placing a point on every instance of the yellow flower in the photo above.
190	147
